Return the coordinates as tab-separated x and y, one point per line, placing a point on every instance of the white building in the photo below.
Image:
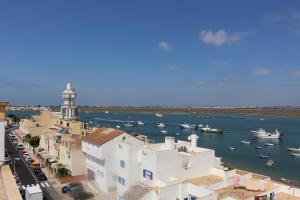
69	110
135	170
112	158
2	129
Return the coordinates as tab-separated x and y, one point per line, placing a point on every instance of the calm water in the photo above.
236	128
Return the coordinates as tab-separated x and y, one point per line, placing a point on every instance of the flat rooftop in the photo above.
237	193
205	180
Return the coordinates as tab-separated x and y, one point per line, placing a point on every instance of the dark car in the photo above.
37	171
41	177
71	187
81	195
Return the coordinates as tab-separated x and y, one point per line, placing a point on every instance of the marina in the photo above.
236	129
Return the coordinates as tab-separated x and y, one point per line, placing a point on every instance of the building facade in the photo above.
69	110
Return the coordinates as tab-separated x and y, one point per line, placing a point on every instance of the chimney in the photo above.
169	142
194	139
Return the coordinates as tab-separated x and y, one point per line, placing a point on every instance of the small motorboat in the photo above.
140	123
284	180
258	147
185	126
128	125
245	142
294	150
118	127
295	154
158	115
106	112
231	148
269	144
269	163
208	129
164	131
161	125
263	156
200	126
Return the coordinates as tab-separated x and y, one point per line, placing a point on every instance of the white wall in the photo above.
2	140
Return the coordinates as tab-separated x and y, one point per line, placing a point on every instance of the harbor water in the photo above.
236	128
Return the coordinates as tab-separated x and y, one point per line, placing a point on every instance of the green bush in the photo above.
34	141
62	171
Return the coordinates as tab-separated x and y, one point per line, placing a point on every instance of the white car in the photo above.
28	159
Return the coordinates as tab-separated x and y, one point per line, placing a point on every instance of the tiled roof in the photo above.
102	135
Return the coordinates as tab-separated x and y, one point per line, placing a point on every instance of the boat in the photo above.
184	126
161	125
295	154
178	134
200	126
118	127
231	148
294	150
262	133
269	144
284	180
258	147
140	123
106	112
158	115
128	125
208	129
245	142
164	131
269	163
262	119
263	156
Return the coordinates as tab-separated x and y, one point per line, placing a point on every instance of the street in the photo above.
23	171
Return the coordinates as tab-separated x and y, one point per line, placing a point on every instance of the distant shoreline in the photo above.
239	111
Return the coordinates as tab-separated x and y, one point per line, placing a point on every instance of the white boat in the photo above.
163	131
205	128
106	112
231	148
208	129
118	127
297	150
258	147
262	133
200	125
269	144
185	126
245	142
295	154
158	115
128	125
161	125
140	123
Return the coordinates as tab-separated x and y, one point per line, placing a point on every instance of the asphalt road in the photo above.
23	171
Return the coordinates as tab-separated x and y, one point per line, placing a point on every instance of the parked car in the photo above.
28	159
37	171
20	146
71	186
41	177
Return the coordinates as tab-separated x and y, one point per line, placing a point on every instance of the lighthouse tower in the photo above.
69	110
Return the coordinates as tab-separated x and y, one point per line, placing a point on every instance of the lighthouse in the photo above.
69	110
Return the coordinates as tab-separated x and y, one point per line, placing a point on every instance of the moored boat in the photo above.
161	125
140	123
158	115
262	133
297	150
295	154
245	142
263	156
128	125
208	129
269	163
164	131
231	148
185	126
269	144
258	147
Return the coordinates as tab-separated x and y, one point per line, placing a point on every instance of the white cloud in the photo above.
219	38
164	46
173	67
227	81
261	72
296	73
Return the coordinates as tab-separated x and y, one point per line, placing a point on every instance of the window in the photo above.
121	180
147	174
122	163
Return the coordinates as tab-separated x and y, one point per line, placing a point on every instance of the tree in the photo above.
62	171
34	141
27	138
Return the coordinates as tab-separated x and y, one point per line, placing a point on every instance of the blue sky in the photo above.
199	53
